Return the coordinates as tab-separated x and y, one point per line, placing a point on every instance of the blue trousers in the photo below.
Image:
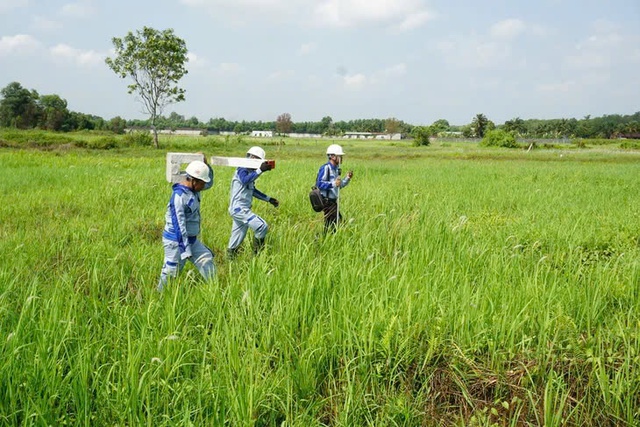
243	220
201	256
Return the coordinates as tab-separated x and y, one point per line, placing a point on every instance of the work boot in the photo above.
258	244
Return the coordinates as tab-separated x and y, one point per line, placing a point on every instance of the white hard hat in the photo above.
258	152
198	170
335	149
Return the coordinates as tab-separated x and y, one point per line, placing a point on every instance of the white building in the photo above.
372	135
262	134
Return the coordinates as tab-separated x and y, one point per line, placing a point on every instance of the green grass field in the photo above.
466	286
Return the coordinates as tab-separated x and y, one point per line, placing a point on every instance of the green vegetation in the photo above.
463	289
499	138
154	61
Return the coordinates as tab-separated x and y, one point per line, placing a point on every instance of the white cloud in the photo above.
79	9
509	28
474	52
395	70
562	87
20	43
360	80
229	68
43	24
83	58
398	14
282	75
605	48
414	20
355	81
195	61
306	48
7	5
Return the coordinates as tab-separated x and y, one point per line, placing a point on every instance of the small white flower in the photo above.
172	338
156	360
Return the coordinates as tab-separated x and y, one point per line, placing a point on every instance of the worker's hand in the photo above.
337	182
274	202
350	174
265	166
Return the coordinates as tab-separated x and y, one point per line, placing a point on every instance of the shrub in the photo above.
138	139
499	138
420	136
630	145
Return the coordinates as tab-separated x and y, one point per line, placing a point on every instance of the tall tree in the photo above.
438	126
515	126
479	125
18	107
392	126
284	123
155	61
54	112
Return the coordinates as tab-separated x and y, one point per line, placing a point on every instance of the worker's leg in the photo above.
202	258
172	263
238	232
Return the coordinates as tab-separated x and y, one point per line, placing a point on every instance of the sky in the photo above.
415	60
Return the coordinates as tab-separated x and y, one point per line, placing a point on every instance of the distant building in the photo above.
262	134
372	135
305	135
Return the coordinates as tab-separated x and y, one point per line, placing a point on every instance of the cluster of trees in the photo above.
26	109
283	124
607	126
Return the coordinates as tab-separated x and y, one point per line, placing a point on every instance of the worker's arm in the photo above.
177	206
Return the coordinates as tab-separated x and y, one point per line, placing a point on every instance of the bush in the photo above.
630	145
138	139
499	138
420	136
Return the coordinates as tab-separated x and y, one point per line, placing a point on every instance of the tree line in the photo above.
27	109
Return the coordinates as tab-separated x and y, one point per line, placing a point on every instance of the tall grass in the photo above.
466	287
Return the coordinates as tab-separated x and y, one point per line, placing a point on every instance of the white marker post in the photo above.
175	161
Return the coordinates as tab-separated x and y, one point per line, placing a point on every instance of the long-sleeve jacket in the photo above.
243	189
182	219
326	180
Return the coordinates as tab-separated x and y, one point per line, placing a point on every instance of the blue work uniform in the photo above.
326	183
243	191
180	234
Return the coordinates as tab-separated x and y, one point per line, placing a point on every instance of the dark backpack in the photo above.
315	197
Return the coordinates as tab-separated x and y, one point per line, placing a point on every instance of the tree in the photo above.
54	112
421	135
117	125
283	123
155	61
18	106
392	126
479	125
515	126
439	126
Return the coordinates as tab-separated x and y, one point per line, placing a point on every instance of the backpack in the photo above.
315	197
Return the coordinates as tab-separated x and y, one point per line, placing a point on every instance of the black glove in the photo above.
265	166
274	202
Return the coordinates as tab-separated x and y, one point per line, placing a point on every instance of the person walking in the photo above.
243	191
329	183
182	225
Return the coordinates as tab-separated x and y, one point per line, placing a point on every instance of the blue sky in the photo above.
416	60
